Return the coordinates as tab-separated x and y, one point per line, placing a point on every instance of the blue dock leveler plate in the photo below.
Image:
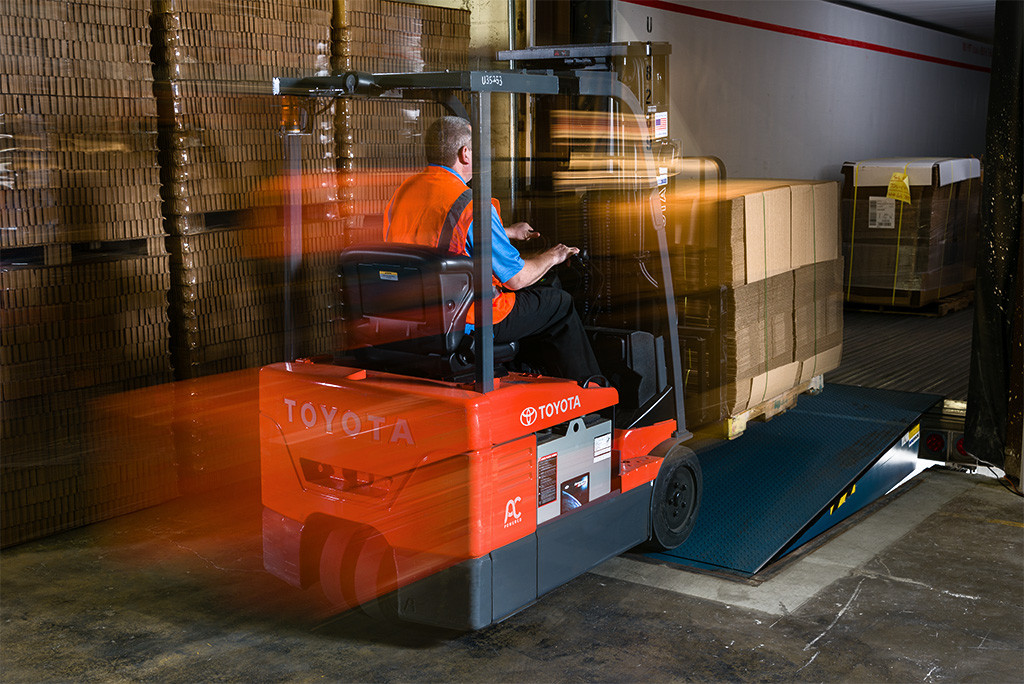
786	481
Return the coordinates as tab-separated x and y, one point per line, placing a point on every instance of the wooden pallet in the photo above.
734	426
937	308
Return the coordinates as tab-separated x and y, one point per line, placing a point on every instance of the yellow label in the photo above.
388	275
899	188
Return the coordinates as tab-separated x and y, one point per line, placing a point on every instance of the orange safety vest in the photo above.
434	205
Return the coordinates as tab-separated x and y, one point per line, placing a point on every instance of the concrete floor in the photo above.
928	587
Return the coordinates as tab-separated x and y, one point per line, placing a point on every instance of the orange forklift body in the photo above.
422	474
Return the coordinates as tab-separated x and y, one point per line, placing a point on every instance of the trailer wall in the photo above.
793	89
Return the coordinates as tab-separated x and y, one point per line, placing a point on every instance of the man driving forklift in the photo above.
434	207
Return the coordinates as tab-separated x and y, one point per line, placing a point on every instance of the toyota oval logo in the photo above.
528	417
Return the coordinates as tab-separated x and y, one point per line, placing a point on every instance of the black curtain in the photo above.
994	402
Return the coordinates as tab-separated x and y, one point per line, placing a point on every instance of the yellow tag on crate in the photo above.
899	188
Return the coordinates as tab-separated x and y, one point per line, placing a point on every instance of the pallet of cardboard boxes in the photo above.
910	243
220	144
758	279
141	174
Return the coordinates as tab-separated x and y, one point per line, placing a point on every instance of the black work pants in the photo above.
551	334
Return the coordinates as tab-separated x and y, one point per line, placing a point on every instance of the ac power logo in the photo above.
512	512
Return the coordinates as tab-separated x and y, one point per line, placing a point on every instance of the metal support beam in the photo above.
481	105
292	236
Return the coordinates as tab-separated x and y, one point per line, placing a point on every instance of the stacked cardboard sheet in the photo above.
911	242
758	286
85	271
221	148
235	272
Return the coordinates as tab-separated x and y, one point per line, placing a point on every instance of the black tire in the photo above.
675	500
357	568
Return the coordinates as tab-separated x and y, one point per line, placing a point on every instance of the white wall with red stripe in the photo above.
792	89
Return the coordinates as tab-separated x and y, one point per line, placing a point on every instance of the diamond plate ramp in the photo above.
763	490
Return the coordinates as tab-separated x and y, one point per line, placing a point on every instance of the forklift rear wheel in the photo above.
675	500
356	567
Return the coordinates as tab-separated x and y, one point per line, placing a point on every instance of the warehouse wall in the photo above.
791	89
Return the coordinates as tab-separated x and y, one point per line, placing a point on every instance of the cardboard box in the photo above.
746	345
754	322
733	340
765	386
743	231
815	222
733	398
817	308
897	272
820	363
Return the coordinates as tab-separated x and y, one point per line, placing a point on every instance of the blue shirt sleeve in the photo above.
505	259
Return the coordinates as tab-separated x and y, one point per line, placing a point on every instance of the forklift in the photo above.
418	471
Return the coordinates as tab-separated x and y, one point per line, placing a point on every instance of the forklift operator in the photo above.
434	207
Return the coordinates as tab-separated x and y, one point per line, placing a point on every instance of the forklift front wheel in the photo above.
675	500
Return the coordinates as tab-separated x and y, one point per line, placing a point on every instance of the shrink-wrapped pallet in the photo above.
909	229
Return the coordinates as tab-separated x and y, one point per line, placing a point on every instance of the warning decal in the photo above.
547	479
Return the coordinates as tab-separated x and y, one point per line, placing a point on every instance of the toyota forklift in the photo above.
419	470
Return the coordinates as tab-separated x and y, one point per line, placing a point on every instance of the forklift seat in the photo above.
404	311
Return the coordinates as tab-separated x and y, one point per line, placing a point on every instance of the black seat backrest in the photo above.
404	311
405	297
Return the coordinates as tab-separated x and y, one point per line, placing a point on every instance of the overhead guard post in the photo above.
482	286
